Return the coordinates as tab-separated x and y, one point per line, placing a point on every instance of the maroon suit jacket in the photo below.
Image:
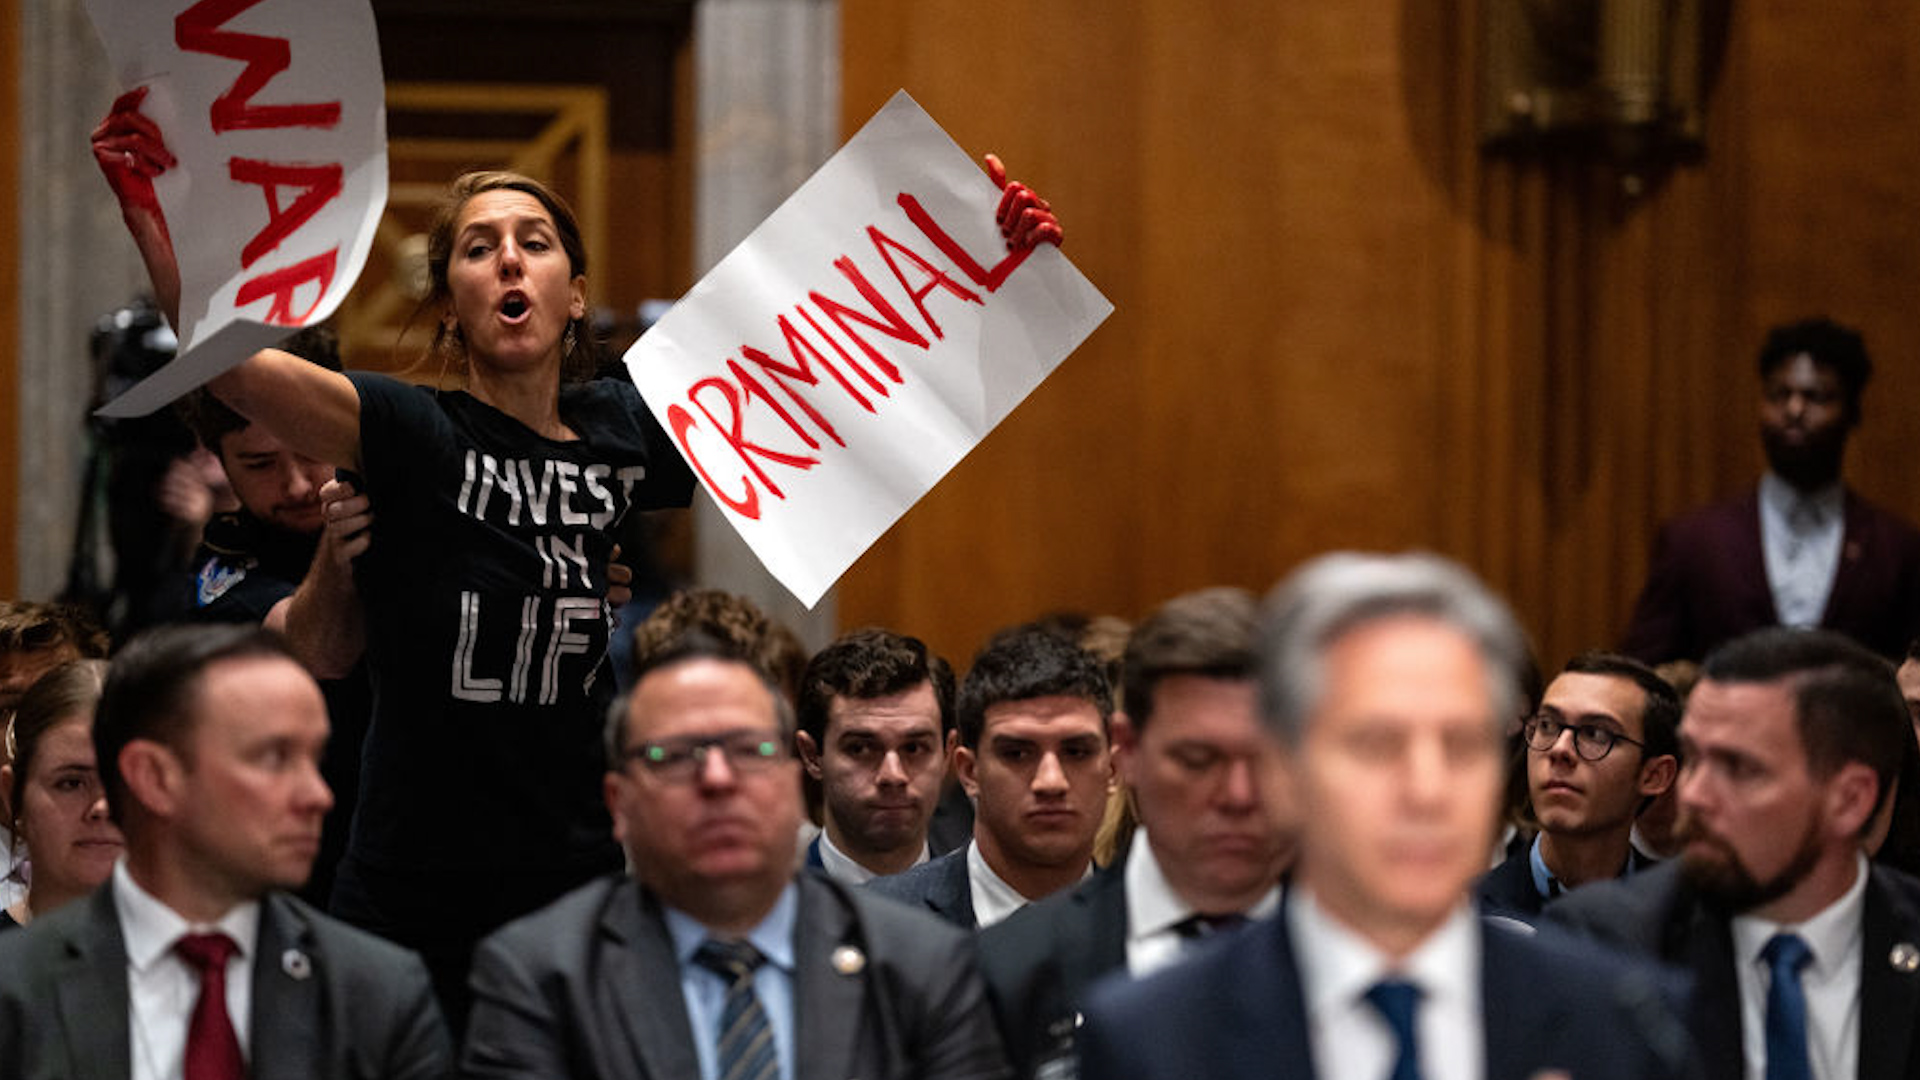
1708	582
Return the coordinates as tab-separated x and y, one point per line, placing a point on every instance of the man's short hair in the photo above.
1210	632
866	664
152	685
686	646
761	639
32	626
211	420
1847	706
1026	662
1334	594
1831	345
1659	702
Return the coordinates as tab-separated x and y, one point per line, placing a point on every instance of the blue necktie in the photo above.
1397	1001
1785	955
745	1050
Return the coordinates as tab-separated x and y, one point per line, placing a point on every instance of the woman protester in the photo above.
484	589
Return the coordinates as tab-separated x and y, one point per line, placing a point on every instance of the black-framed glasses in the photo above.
1591	741
679	761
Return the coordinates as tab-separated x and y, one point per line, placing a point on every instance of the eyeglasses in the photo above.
1591	741
679	761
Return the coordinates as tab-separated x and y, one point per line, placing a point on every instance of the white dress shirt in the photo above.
993	898
840	866
1154	910
1801	536
1831	983
1349	1037
163	988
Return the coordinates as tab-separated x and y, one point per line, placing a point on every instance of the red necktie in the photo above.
213	1050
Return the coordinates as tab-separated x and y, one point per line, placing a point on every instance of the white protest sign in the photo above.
838	362
276	112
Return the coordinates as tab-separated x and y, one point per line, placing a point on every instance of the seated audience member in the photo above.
1215	830
1653	829
208	742
1800	548
732	618
717	959
35	638
56	808
1033	755
1599	749
876	713
1389	682
1802	954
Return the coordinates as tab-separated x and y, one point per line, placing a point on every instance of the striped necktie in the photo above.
745	1048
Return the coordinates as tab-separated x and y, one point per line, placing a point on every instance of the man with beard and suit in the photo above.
1389	682
192	960
1803	955
715	959
1215	829
1801	549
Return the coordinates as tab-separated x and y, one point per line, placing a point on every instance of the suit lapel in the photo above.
1889	984
830	998
286	1040
641	978
1705	949
92	992
1849	578
1271	976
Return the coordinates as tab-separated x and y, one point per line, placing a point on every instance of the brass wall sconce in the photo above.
1620	83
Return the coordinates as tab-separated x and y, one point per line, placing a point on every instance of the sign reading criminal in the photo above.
856	346
275	110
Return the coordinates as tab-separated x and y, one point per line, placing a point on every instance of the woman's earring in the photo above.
567	342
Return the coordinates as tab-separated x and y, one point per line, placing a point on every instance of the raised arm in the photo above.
323	620
311	409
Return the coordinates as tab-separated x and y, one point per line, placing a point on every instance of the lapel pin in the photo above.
295	964
1904	957
848	960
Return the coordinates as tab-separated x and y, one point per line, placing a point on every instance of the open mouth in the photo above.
513	306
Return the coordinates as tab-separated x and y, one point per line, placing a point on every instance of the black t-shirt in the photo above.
487	626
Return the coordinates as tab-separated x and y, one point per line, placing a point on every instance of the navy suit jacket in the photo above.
350	1005
1707	582
939	885
1657	915
589	988
1236	1011
1508	888
1040	961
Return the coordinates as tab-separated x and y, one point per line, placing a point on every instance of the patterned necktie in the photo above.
1200	926
745	1050
213	1050
1397	1001
1785	955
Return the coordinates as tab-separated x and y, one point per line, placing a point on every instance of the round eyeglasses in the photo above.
1591	741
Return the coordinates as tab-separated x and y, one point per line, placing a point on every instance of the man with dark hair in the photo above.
1601	748
1388	682
1215	830
715	959
876	715
1033	755
1803	956
191	958
1799	550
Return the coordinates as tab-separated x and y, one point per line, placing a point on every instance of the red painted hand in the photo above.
130	152
1025	218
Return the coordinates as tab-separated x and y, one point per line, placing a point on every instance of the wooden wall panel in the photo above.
9	288
1339	324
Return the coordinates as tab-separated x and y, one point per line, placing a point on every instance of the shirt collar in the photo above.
150	928
773	935
1338	966
1832	934
1780	498
1153	907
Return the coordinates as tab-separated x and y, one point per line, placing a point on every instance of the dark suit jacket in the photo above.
1707	582
1235	1011
1040	960
939	885
1508	888
589	988
1657	915
358	1007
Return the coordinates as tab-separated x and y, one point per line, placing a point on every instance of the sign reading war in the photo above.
276	112
851	351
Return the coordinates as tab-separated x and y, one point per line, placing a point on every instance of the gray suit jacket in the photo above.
354	1007
1039	962
1657	914
939	885
589	988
